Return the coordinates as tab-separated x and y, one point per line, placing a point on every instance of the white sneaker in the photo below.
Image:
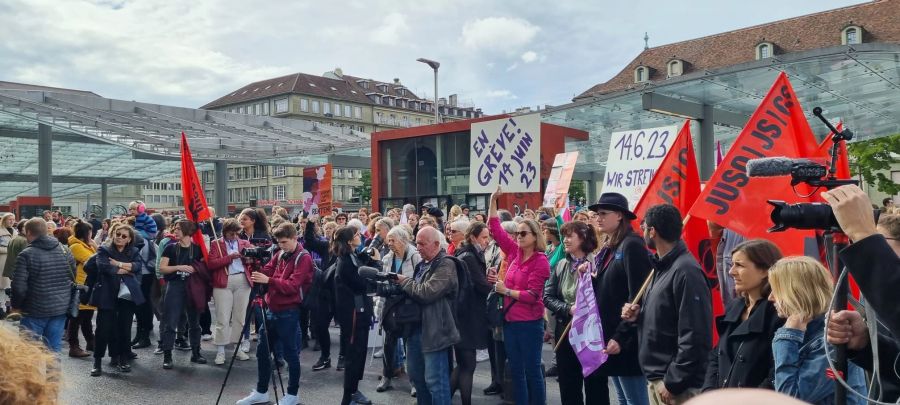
379	353
482	355
220	358
254	398
242	356
289	400
245	346
206	337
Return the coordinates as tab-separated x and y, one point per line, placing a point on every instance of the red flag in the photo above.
738	202
677	182
195	207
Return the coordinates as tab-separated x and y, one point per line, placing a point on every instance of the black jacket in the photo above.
42	280
472	315
615	285
876	269
743	357
350	287
106	290
675	323
312	243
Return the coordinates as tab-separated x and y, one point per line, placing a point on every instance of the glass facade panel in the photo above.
432	167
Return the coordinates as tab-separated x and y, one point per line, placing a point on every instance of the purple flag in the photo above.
586	335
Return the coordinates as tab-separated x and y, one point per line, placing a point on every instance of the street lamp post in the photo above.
434	65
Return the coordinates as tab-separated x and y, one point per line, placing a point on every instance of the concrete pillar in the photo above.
593	193
221	189
104	203
707	144
45	161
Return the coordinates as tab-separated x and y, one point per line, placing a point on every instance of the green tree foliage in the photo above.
872	159
576	191
365	190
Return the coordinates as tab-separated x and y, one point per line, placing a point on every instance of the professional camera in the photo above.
261	250
379	282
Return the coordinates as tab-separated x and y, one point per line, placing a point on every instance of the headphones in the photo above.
141	207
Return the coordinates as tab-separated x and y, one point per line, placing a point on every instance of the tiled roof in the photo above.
298	83
878	19
391	90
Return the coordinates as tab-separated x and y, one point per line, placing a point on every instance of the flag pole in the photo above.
564	333
213	226
640	293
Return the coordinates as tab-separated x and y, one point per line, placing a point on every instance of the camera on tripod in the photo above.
261	250
379	282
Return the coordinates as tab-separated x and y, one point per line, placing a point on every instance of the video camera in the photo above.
261	250
379	282
804	171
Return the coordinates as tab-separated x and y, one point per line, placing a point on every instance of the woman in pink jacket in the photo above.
523	327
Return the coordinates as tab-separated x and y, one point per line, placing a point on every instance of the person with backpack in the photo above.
471	314
402	258
435	287
287	276
231	287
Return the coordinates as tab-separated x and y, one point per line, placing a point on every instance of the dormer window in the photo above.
765	50
675	67
851	35
641	74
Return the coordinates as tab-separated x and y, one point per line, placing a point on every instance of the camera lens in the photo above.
802	216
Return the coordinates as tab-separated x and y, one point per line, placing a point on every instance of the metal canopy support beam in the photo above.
707	145
45	161
104	200
687	109
221	188
31	178
57	137
150	156
351	162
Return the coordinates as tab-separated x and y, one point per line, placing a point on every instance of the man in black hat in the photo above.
438	217
675	319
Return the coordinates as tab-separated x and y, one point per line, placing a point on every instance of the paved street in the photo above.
190	383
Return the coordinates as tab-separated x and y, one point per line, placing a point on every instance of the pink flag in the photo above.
719	156
586	335
566	213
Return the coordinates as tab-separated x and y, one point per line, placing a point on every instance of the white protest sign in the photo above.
634	157
506	152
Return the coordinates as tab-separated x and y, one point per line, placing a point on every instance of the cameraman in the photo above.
874	266
285	275
434	287
402	258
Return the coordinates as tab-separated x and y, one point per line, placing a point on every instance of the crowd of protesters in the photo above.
456	287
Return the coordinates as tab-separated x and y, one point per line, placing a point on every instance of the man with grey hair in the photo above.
42	284
434	287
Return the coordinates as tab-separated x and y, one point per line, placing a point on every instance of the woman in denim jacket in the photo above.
801	291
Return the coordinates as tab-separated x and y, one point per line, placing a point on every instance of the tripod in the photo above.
258	303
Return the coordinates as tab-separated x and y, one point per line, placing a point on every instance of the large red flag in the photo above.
195	208
677	182
738	202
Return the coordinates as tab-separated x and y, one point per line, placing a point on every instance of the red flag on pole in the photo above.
195	207
677	182
738	202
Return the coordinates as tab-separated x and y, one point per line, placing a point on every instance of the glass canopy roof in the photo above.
859	85
125	141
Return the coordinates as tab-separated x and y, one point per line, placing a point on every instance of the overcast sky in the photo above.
497	55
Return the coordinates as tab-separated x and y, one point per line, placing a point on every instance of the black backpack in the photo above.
463	280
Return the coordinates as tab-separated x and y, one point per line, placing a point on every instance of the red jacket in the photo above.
219	261
285	281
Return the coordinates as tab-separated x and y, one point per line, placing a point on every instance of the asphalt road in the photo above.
190	383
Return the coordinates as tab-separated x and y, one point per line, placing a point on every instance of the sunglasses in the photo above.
522	234
125	236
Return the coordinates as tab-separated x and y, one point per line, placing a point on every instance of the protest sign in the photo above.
506	152
317	189
633	158
560	178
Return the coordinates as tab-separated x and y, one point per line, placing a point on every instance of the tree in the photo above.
873	158
576	191
364	191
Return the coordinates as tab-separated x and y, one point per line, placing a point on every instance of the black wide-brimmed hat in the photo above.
613	202
435	212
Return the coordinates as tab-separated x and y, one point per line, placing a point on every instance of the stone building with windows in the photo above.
332	99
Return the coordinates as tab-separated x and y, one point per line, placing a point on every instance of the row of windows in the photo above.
169	200
163	186
244	194
335	109
252	109
850	35
246	173
341	193
350	173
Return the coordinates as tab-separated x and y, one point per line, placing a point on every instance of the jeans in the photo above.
175	305
523	341
280	329
631	390
429	372
48	329
144	312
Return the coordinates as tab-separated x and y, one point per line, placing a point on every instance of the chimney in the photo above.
338	72
397	81
453	100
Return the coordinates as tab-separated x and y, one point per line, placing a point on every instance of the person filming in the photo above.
286	275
